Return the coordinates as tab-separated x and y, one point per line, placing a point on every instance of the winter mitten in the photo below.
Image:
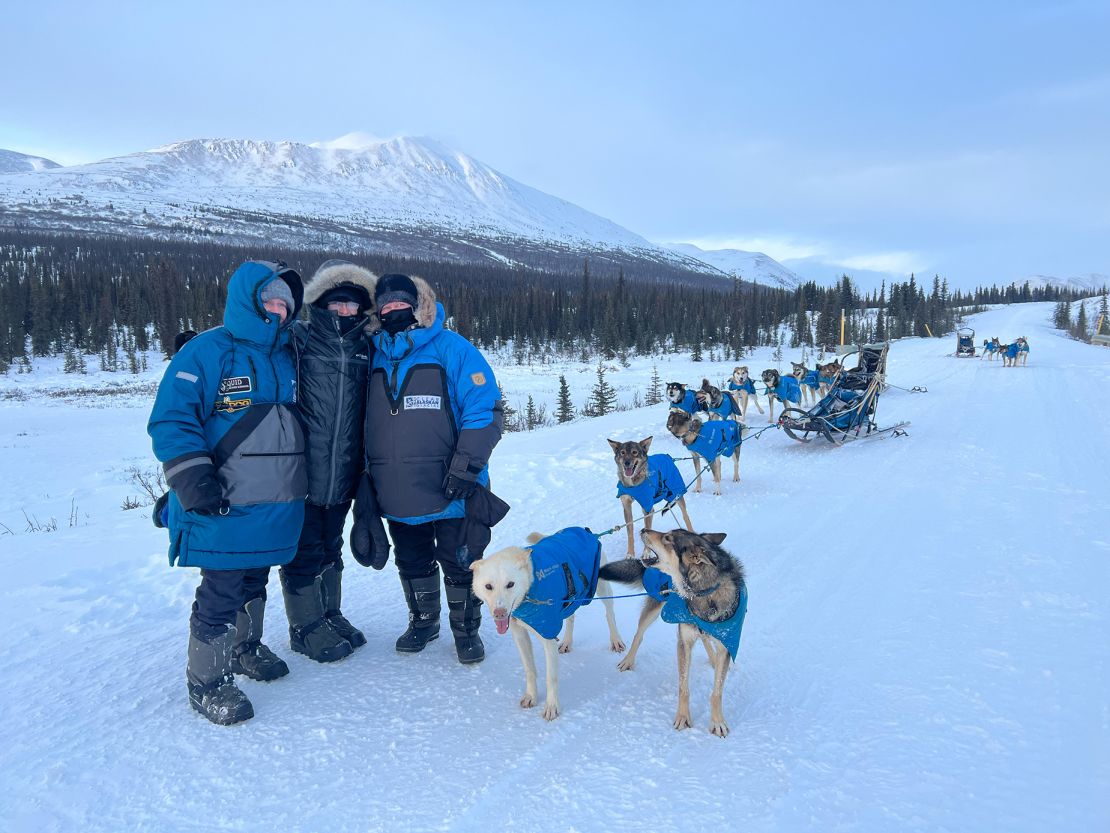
369	543
194	482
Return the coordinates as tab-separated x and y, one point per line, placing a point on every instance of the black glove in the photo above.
369	544
156	514
198	489
462	477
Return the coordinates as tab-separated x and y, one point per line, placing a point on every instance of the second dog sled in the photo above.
847	411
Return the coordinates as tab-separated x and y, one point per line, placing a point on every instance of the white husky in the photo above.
503	581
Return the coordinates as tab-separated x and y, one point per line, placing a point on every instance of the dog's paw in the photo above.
616	645
682	721
564	647
527	701
719	728
551	710
626	664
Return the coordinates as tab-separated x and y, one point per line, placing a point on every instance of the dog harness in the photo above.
716	439
788	389
564	578
812	379
689	403
657	584
677	612
663	482
747	385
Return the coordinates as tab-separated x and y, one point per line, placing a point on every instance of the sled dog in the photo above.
646	481
808	382
720	404
742	385
711	440
785	389
708	602
826	375
682	399
537	588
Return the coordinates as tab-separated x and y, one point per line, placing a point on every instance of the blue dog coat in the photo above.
716	439
677	612
657	583
748	386
1011	350
788	389
663	482
564	578
727	408
689	403
811	379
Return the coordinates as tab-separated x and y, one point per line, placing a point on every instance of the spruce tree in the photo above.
1081	322
564	411
655	388
603	397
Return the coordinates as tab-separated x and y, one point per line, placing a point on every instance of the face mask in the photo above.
397	320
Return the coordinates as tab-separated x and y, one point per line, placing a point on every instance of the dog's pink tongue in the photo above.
502	624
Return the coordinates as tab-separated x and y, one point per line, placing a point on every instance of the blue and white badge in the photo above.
423	403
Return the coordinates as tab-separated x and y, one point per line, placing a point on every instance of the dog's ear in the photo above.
705	385
614	444
474	564
645	444
715	538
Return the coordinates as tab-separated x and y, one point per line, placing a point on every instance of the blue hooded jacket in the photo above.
433	406
663	483
677	612
228	399
719	438
564	578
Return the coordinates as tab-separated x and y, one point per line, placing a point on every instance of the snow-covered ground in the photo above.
926	645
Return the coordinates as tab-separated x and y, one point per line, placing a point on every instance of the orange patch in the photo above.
478	378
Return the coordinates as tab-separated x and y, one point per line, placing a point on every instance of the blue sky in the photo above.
969	139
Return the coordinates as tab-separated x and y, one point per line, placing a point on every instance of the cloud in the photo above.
896	263
779	248
349	141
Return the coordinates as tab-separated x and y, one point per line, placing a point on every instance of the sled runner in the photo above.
847	412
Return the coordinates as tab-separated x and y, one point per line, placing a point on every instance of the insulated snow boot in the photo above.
464	612
422	595
310	633
331	590
250	657
212	689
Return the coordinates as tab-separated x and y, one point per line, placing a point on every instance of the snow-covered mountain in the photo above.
13	162
1093	282
749	265
409	194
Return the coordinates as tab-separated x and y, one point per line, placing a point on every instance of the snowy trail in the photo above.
926	646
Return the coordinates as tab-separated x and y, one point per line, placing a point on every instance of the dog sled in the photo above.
847	411
965	342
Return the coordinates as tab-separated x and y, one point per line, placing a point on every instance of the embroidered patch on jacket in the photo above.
188	377
423	403
478	378
235	384
228	405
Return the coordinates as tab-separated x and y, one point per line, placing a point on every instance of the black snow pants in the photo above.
321	542
220	596
418	547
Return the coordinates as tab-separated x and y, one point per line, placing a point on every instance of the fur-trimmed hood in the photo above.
335	273
425	306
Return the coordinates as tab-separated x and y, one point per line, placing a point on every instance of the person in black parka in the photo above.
333	355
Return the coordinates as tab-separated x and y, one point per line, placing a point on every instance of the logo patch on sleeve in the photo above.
423	403
478	378
235	384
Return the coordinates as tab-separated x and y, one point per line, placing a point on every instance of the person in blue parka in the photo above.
225	428
433	417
